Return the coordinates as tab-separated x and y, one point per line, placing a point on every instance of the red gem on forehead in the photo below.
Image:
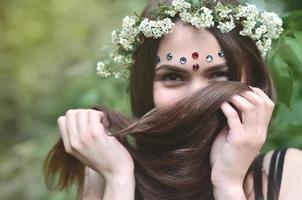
195	55
195	66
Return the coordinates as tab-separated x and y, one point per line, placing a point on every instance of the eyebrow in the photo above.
181	70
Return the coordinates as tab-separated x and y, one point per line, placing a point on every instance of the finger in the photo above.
63	132
259	102
262	93
232	116
72	127
82	121
249	115
104	120
95	125
269	103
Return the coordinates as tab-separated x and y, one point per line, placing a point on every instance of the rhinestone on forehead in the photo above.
209	58
169	56
195	55
182	60
195	67
221	53
157	59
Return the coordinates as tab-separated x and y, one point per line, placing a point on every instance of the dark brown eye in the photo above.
172	77
219	74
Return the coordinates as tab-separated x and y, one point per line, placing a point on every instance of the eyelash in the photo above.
219	73
164	77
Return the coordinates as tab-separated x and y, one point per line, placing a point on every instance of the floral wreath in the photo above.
261	27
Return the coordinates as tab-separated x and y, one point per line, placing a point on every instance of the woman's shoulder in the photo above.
291	176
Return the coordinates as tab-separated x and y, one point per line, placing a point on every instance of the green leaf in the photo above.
195	3
298	35
283	79
292	20
291	51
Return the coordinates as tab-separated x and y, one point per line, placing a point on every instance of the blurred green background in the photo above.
48	55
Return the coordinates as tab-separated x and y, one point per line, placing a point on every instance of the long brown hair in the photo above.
171	151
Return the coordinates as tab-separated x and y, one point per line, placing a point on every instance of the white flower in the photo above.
128	33
145	27
186	16
172	13
206	17
180	5
201	19
156	29
226	26
129	21
248	27
117	75
268	43
167	25
118	58
127	43
129	59
115	37
262	28
249	12
222	11
264	46
102	69
259	32
273	24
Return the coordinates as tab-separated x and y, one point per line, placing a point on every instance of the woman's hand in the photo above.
235	147
85	137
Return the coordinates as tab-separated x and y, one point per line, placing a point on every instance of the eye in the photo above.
172	77
219	74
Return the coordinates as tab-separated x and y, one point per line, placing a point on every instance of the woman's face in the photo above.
176	78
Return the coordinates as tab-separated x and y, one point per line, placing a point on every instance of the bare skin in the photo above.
85	138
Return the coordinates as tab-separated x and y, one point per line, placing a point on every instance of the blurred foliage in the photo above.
285	64
48	51
48	54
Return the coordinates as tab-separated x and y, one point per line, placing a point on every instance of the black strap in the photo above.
258	177
275	174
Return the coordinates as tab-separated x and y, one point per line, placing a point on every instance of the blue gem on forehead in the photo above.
169	56
221	53
209	58
183	60
157	59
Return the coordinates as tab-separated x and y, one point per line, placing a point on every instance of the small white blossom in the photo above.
248	27
262	28
115	37
201	19
250	12
259	32
117	75
264	46
127	43
102	69
222	11
180	5
118	58
226	26
129	22
156	29
273	24
185	16
128	59
171	13
128	33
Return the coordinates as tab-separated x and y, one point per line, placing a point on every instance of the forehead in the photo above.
186	39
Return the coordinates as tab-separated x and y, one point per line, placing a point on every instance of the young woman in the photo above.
196	71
